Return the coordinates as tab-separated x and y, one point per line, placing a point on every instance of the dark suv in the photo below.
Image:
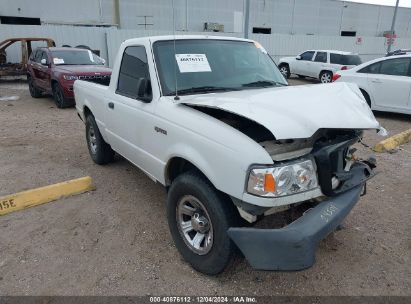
53	71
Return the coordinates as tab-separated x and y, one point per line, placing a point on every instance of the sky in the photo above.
403	3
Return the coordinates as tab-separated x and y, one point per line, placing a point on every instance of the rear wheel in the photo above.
34	92
285	70
199	217
326	77
100	151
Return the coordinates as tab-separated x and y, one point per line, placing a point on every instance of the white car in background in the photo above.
384	82
320	64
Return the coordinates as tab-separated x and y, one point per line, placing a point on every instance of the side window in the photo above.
44	56
321	57
397	67
308	56
371	69
134	73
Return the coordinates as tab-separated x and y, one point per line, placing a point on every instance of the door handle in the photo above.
111	105
376	81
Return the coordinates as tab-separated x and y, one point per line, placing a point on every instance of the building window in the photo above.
348	33
261	30
19	20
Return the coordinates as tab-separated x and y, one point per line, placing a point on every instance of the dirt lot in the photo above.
115	240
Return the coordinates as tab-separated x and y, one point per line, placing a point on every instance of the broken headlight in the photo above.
282	180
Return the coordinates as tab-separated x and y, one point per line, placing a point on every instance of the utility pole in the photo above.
393	26
247	18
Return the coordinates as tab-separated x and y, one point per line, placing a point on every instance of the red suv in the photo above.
53	70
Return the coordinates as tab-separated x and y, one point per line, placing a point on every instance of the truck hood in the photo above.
295	112
287	59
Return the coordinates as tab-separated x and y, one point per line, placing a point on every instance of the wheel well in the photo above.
177	166
87	112
366	96
283	63
323	71
53	82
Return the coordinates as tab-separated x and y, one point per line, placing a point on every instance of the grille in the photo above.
92	77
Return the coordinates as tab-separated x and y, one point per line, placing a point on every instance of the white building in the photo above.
295	17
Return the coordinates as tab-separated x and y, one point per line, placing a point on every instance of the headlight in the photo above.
70	77
282	180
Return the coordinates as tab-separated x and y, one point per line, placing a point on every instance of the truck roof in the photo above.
181	37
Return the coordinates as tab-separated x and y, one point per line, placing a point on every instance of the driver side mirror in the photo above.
298	57
144	92
43	61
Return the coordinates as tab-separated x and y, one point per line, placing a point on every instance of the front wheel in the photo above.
285	70
34	92
326	77
59	99
199	217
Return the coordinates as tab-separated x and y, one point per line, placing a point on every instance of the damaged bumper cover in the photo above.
293	247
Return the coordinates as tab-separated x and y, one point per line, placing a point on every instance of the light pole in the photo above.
390	40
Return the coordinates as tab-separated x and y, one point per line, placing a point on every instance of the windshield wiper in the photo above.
204	89
263	84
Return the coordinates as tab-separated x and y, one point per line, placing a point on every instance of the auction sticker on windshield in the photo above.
192	63
58	60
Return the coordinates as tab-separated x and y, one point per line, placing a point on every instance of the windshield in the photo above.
76	57
345	59
206	65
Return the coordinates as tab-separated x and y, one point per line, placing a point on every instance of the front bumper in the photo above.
293	247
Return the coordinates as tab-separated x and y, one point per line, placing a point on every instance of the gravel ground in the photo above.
115	240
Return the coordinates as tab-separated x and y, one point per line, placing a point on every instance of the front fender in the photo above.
227	175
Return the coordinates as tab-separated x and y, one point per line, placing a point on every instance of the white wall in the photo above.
72	11
108	40
300	17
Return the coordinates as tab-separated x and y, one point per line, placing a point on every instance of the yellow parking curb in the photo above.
393	141
34	197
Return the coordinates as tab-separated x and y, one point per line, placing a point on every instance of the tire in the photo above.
100	151
59	99
34	92
301	76
285	70
326	77
209	207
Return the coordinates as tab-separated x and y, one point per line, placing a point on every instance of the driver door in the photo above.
128	114
302	65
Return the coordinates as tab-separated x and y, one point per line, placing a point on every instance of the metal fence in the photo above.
108	40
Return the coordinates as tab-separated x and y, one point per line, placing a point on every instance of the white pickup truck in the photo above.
213	120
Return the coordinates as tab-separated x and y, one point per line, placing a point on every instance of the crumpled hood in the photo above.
295	112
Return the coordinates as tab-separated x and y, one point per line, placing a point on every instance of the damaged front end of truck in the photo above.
314	166
341	179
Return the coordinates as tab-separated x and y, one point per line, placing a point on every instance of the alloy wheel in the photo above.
194	225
